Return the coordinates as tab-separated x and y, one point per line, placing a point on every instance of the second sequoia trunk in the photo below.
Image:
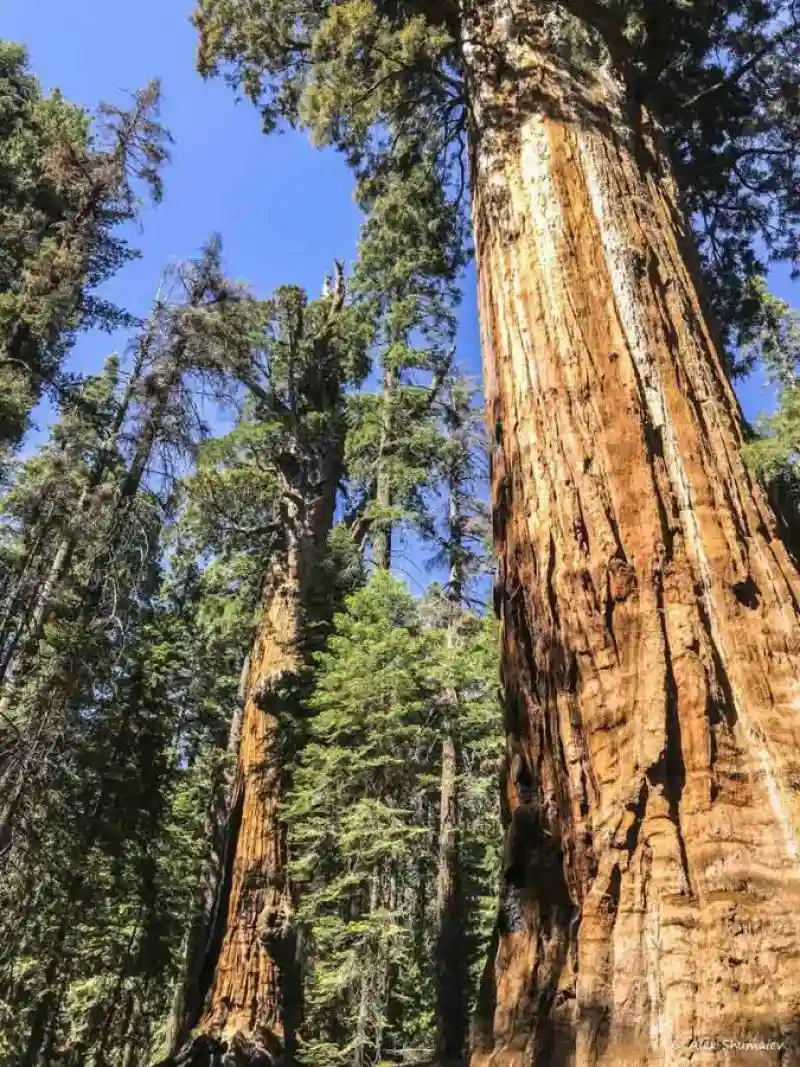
239	1001
253	991
651	630
250	977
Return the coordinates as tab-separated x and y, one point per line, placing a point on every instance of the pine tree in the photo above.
464	537
649	609
39	506
362	838
405	278
364	825
89	947
111	742
292	433
776	347
773	344
67	187
203	331
83	819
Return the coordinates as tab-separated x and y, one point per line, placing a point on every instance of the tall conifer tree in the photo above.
67	186
201	328
463	544
649	609
248	998
405	277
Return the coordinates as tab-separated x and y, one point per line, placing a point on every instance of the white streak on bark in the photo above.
621	270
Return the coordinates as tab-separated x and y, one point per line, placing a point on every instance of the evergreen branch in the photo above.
744	68
603	21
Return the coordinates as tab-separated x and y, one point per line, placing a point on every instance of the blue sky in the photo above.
284	210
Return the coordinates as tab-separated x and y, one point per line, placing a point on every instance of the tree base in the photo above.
205	1051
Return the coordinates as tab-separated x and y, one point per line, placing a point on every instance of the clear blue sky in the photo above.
284	209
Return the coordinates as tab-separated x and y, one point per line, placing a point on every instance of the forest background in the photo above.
284	208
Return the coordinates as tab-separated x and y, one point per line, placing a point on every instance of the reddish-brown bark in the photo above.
247	993
650	613
241	960
253	998
249	983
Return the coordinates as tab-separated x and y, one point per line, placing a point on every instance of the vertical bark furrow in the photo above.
253	999
652	791
631	307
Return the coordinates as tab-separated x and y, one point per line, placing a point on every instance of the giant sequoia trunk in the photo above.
650	909
249	981
253	964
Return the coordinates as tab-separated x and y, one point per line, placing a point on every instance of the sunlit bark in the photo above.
650	614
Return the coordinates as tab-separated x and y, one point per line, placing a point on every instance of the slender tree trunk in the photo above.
36	614
382	535
451	949
251	981
451	965
48	1051
23	581
20	765
119	1000
131	1032
364	1043
192	986
42	1019
650	614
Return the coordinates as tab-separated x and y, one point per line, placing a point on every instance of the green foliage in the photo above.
125	814
405	280
82	543
776	345
299	65
120	680
363	819
66	186
721	78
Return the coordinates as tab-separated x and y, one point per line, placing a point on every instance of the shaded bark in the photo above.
249	987
42	1018
649	611
451	956
191	989
382	534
